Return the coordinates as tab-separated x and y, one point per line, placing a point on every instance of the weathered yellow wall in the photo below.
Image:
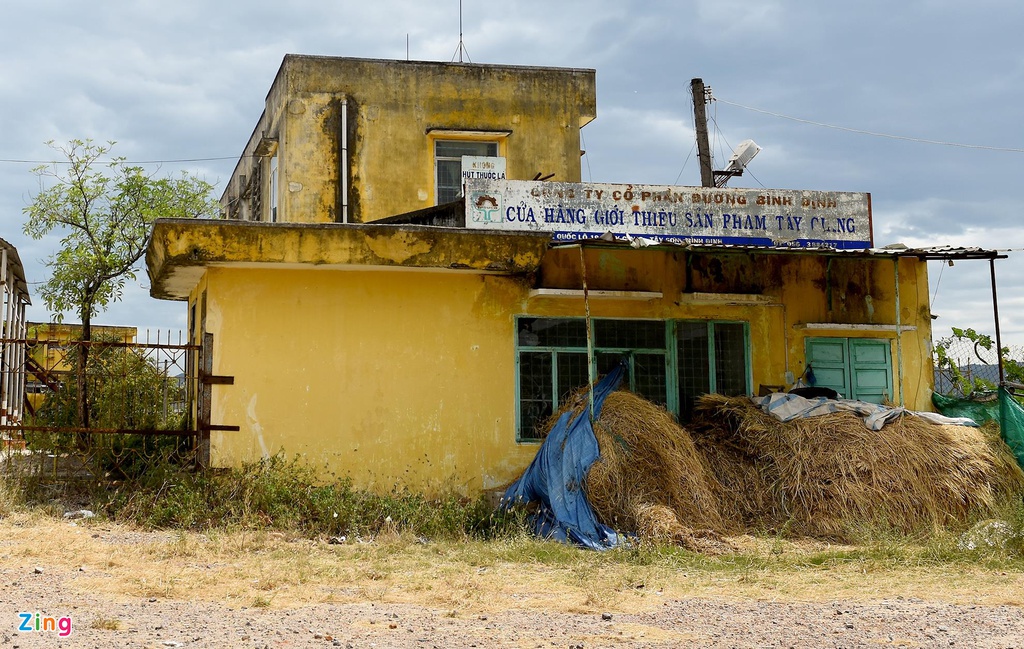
406	377
395	110
390	377
863	292
794	290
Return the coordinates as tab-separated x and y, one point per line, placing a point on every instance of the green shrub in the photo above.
280	494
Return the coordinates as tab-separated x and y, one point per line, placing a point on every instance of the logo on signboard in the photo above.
484	207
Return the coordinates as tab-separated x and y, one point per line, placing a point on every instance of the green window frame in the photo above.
669	362
856	368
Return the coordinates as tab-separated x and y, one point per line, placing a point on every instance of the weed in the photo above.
276	496
105	624
280	494
11	496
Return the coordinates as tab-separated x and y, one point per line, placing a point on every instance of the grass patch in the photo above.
265	569
11	496
270	508
283	495
106	624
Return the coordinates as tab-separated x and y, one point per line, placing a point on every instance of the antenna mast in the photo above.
461	49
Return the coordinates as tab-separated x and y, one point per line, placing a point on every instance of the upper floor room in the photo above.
344	140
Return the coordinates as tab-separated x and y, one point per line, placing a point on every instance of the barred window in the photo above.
669	362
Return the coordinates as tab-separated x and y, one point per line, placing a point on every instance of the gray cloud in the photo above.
188	79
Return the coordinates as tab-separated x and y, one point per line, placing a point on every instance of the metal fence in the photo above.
967	364
100	410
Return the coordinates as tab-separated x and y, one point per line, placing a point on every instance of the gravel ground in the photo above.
690	623
159	623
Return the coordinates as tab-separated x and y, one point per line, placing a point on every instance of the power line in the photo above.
692	147
873	133
127	162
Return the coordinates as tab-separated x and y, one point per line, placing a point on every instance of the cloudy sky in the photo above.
186	80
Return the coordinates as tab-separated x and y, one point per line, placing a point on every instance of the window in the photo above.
669	362
34	387
856	368
272	185
448	164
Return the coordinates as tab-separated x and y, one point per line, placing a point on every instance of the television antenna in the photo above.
461	49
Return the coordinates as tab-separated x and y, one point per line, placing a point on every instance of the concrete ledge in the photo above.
180	250
839	326
577	293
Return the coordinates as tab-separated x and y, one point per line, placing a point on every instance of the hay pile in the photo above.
831	477
650	479
737	469
744	497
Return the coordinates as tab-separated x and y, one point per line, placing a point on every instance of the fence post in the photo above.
205	401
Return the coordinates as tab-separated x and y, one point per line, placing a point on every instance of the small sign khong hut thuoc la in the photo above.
700	215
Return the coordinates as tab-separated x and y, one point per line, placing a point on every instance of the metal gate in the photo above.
103	410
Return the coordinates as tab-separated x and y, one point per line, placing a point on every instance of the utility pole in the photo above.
700	124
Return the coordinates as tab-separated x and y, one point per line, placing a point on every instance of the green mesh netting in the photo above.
1011	424
980	411
1004	409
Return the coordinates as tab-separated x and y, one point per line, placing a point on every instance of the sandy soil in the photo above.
49	583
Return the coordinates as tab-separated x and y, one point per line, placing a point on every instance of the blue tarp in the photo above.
555	478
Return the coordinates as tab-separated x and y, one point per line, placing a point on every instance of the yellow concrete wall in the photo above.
864	293
395	110
406	377
394	378
794	291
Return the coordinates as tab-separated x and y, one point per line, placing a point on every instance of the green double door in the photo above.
856	368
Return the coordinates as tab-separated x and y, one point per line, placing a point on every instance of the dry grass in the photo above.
831	477
106	624
743	495
264	570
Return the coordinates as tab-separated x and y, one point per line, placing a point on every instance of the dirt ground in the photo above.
124	588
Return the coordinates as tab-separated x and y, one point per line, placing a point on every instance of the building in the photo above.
48	362
12	356
355	312
352	140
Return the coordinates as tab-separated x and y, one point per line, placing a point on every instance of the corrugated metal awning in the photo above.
942	253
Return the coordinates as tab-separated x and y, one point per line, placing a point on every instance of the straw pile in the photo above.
831	477
650	479
736	473
737	469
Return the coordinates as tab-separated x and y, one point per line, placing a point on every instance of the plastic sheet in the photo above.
1011	424
555	478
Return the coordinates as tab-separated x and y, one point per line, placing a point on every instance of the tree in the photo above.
104	209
